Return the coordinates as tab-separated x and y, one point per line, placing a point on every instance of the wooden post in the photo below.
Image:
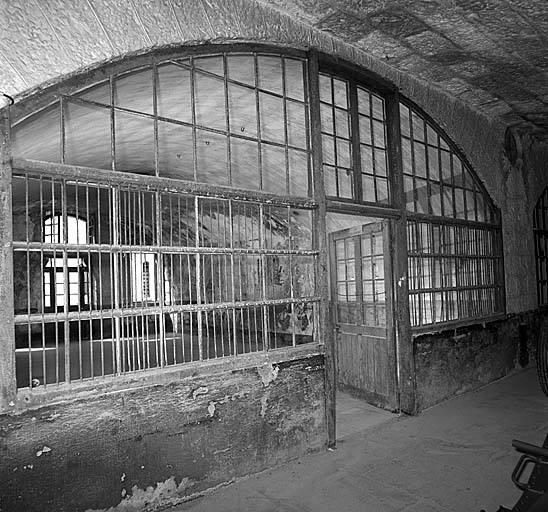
8	384
325	328
405	362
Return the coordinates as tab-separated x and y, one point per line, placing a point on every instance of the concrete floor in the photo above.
456	456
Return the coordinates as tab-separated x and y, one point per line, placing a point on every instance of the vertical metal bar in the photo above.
232	272
27	262
64	235
262	258
198	275
325	329
112	125
116	283
160	284
193	113
292	275
42	280
79	276
258	113
62	142
286	136
54	279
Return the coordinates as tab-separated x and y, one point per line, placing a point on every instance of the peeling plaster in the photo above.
202	390
159	495
264	403
268	373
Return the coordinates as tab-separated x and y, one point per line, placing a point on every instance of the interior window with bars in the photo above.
169	277
453	236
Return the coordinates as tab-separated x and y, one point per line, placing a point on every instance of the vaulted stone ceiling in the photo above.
492	54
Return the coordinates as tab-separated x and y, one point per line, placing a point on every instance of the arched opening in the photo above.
215	184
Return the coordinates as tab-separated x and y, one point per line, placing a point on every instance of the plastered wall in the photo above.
154	446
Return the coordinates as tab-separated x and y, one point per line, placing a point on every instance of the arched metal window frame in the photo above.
36	101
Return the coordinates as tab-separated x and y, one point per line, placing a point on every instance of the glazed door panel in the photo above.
361	282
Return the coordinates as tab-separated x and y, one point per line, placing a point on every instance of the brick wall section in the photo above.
158	444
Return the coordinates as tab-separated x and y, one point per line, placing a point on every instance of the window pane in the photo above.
209	102
211	64
272	118
211	156
38	137
365	130
245	164
274	169
241	68
296	124
85	147
270	74
298	173
341	123
242	110
134	91
294	86
134	144
173	93
339	93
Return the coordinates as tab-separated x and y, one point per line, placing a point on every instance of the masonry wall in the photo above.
456	361
155	445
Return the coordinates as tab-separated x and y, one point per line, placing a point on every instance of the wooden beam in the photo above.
404	340
8	386
325	327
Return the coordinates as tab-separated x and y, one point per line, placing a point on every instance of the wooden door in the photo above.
361	287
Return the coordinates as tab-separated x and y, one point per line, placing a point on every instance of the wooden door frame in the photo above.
390	330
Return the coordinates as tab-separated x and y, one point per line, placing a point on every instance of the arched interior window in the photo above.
238	120
453	236
186	216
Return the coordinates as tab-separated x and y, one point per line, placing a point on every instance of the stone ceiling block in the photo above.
383	46
397	22
346	26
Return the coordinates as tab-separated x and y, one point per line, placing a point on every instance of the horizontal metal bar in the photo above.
432	328
233	134
337	206
154	310
459	255
92	176
431	219
157	249
454	289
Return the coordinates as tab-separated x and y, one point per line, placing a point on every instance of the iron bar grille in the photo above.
113	277
454	272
